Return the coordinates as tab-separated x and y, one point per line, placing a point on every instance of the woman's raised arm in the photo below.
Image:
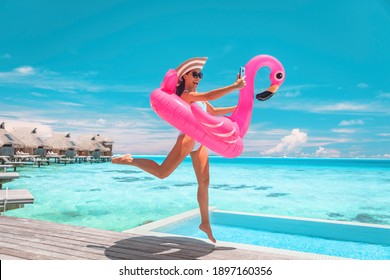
213	94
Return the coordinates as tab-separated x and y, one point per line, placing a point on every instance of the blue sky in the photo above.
90	66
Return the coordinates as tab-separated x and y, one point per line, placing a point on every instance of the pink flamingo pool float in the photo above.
221	134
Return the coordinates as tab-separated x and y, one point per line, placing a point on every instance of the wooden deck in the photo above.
21	196
6	177
14	164
5	166
32	239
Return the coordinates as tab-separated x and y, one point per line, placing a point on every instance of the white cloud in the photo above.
362	85
101	121
342	106
275	132
330	108
324	141
384	95
322	152
50	80
25	70
343	130
290	94
351	122
70	104
289	144
384	134
289	88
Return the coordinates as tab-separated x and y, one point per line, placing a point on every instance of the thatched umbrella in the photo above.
8	142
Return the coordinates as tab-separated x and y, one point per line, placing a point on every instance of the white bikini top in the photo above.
202	105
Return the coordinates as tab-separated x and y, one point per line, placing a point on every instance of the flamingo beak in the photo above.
263	96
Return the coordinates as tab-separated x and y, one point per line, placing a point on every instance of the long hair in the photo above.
180	87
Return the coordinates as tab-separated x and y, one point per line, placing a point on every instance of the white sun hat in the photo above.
190	64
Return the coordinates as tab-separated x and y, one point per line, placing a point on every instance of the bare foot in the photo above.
207	229
126	159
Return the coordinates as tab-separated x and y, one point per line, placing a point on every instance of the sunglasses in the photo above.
197	75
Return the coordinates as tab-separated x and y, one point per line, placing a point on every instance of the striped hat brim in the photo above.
189	65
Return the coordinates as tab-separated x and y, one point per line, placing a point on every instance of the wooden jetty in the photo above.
13	199
31	239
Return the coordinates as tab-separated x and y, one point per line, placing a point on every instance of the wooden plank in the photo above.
21	196
6	254
86	238
88	249
114	248
31	239
45	255
9	175
55	245
147	242
128	247
9	257
13	163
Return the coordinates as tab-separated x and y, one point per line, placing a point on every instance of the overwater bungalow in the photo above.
9	143
107	142
63	144
88	146
34	145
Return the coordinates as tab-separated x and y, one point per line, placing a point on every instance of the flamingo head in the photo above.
277	78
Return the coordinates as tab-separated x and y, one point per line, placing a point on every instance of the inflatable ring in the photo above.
221	134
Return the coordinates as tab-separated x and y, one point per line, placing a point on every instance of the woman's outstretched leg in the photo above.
200	162
182	148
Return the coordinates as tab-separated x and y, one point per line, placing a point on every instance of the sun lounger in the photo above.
24	157
51	154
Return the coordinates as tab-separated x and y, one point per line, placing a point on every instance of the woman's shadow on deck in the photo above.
160	248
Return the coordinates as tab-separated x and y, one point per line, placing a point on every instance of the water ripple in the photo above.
277	194
123	171
367	218
132	179
185	184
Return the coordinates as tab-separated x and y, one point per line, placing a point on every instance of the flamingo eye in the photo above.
279	76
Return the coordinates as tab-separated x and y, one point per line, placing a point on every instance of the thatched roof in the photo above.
88	143
7	138
101	139
29	137
62	141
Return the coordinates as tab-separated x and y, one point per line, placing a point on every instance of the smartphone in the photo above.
241	72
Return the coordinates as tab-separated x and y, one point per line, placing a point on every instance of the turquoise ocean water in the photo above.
118	197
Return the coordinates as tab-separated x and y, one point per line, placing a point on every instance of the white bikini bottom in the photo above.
196	146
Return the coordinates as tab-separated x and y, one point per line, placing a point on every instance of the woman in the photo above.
189	73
